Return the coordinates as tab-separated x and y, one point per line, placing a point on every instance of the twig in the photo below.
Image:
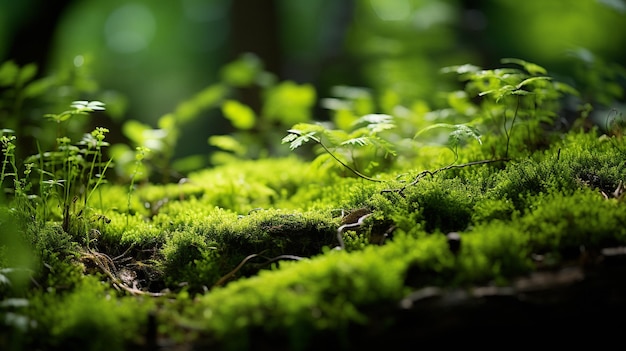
356	224
230	274
107	266
422	174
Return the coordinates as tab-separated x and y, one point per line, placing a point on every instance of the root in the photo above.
342	228
230	274
106	265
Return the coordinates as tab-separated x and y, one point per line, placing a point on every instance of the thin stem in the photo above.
42	194
92	166
98	183
432	173
357	173
508	134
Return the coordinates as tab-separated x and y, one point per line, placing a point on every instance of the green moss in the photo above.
566	224
245	185
581	160
443	204
190	259
325	293
218	240
125	230
88	318
493	252
488	210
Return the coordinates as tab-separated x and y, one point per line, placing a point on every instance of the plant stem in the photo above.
427	172
508	133
357	173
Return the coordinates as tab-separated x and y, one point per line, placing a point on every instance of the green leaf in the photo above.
242	72
241	116
530	80
228	143
520	92
383	144
375	118
499	93
335	104
376	122
566	88
433	126
87	106
296	138
289	103
459	132
8	73
530	67
361	141
27	73
462	132
461	69
6	131
209	97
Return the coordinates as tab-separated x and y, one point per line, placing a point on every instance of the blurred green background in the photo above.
148	56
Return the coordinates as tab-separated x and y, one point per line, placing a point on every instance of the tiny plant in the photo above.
343	146
7	139
509	97
140	154
72	172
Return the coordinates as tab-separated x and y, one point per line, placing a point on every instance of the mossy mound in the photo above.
249	255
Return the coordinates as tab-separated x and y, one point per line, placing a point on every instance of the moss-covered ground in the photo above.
284	254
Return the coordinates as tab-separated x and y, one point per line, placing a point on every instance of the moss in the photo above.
190	259
492	209
324	293
246	185
253	245
579	161
567	224
495	251
86	319
204	246
443	204
125	230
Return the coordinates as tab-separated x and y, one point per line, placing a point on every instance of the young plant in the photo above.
7	139
75	169
140	154
508	97
459	133
344	146
283	105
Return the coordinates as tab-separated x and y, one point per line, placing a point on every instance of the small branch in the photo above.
342	228
230	274
107	266
282	257
427	172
